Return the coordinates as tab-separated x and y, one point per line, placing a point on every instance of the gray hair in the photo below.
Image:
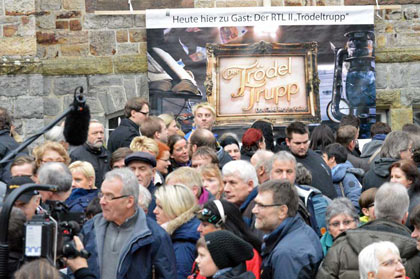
341	206
55	134
262	158
128	179
144	197
243	169
303	175
55	173
391	202
368	257
394	143
281	156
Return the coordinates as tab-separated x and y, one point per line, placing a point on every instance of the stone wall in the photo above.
49	47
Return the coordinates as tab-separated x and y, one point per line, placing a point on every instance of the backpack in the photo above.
312	207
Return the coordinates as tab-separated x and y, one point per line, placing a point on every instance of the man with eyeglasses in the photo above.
124	243
391	211
136	111
291	248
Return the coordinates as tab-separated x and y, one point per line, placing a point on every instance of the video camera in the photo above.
50	235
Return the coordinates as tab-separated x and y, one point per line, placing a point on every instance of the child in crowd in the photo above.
366	202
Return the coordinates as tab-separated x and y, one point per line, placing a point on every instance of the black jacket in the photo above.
7	144
123	135
378	173
98	158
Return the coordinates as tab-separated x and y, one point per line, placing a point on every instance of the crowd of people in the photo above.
159	203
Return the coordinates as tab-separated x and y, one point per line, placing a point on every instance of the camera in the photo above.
50	235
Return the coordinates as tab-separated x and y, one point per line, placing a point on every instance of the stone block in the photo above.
393	14
32	126
47	38
13	85
75	50
137	35
9	19
105	80
92	21
399	117
90	6
142	86
46	21
381	41
36	85
130	87
94	104
19	6
24	46
117	97
143	48
10	30
242	3
52	106
102	95
396	55
47	51
123	49
382	76
410	96
413	75
47	88
203	4
122	36
388	98
75	25
130	64
74	37
67	84
67	15
117	22
27	28
62	24
8	104
50	5
102	43
399	72
140	21
410	12
77	66
73	4
29	107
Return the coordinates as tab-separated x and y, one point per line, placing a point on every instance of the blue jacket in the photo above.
80	198
343	175
291	251
149	249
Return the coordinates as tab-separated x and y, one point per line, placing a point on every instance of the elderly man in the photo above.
391	206
58	174
94	152
124	243
291	248
261	161
136	110
381	260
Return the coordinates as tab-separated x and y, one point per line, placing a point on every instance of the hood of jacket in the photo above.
237	272
371	147
381	166
339	171
188	219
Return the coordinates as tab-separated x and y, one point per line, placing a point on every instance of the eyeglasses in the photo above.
260	205
394	262
338	223
49	160
110	197
144	113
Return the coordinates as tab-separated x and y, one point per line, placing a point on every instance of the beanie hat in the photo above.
251	137
228	140
227	250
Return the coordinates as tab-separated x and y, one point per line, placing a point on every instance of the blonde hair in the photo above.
187	176
175	199
204	105
83	167
212	170
40	150
167	118
144	144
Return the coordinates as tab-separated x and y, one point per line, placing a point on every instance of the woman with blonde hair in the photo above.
50	151
83	186
212	180
144	144
171	124
175	212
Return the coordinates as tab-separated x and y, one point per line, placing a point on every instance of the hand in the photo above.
78	262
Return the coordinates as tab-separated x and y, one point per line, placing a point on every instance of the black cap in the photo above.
18	181
141	157
227	249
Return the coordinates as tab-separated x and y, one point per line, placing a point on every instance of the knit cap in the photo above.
227	250
251	137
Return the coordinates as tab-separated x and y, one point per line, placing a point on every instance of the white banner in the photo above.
253	16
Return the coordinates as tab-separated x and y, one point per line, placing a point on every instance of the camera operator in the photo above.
15	239
58	174
79	265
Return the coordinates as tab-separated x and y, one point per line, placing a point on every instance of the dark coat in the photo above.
378	173
7	144
237	272
148	252
123	135
291	251
99	158
80	198
342	262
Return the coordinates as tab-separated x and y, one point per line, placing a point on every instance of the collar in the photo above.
129	221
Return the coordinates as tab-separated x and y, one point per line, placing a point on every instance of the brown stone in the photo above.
71	14
72	4
25	20
62	24
400	116
130	64
122	36
137	35
75	50
75	25
9	30
398	55
388	98
77	66
46	38
18	46
242	3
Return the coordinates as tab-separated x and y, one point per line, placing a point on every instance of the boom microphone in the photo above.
77	121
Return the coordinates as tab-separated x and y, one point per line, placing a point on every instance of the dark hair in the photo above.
234	222
37	269
411	172
93	208
415	216
203	137
346	134
337	151
350	120
172	140
321	136
283	192
22	160
205	151
150	126
120	154
267	130
297	128
16	230
411	128
136	104
5	119
380	128
228	140
367	198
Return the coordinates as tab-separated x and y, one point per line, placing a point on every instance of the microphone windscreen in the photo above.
76	126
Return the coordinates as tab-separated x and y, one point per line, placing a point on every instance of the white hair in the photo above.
368	257
391	202
144	197
242	169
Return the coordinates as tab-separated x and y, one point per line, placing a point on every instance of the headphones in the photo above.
219	206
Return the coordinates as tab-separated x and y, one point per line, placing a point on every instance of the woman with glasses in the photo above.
50	151
223	215
406	173
175	212
340	217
